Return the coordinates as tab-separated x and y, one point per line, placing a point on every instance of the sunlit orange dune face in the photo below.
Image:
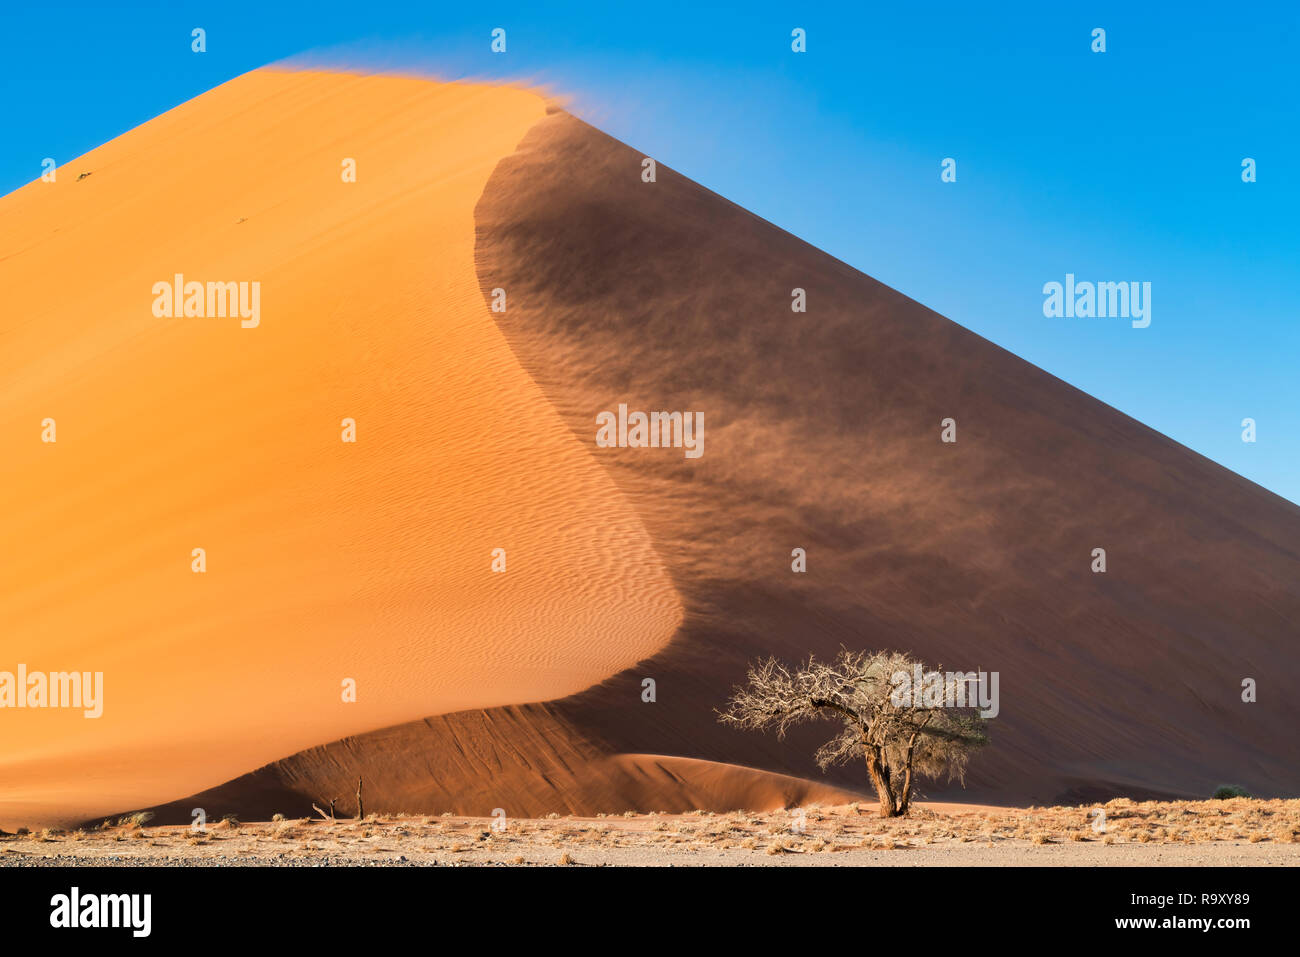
323	561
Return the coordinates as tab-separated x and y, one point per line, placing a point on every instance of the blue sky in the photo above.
1123	165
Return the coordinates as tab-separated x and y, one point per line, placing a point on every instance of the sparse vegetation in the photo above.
1228	791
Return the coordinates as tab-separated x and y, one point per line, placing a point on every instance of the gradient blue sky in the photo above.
1117	166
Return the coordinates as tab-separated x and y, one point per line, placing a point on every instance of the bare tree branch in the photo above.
896	738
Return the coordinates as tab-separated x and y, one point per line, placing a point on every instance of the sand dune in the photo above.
529	761
822	432
325	560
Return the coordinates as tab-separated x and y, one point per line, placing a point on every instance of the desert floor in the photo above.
1186	833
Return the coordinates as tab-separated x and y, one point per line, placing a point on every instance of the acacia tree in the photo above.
897	740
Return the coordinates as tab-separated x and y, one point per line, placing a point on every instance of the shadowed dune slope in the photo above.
822	432
325	560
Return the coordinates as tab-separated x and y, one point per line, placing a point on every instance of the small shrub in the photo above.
1228	791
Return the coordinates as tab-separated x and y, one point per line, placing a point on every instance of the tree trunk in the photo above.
880	778
361	808
905	794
